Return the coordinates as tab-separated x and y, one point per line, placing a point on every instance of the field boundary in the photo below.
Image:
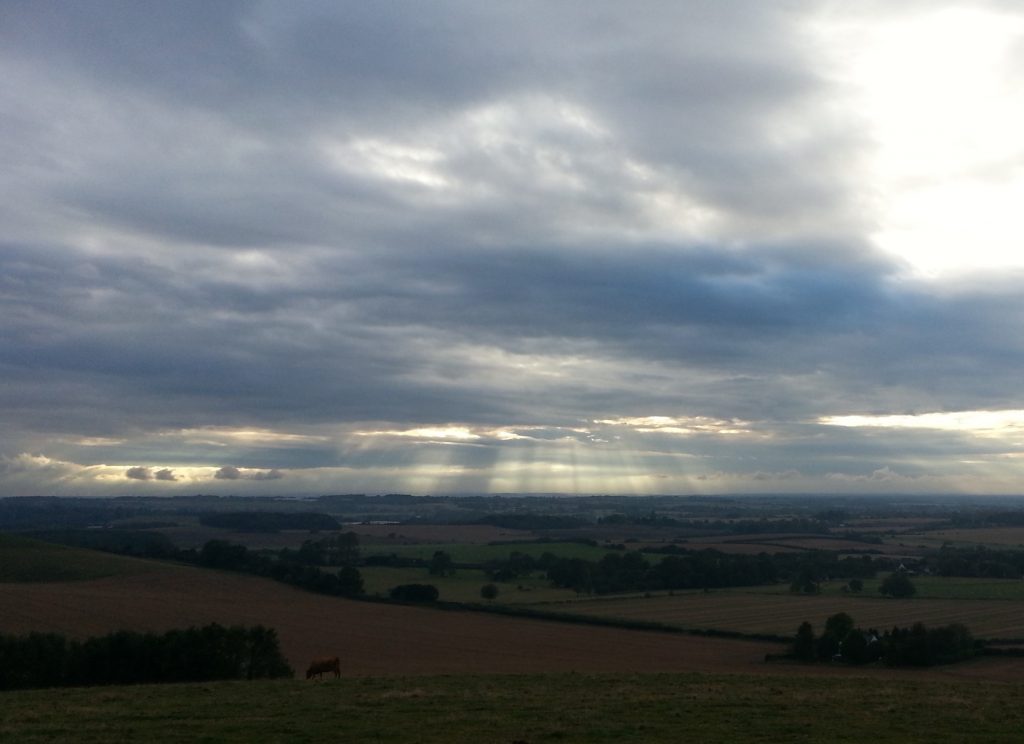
573	618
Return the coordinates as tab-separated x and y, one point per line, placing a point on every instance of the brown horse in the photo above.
327	664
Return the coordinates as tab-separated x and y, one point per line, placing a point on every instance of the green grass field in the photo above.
26	560
527	708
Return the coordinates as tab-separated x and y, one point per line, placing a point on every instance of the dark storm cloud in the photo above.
268	475
138	473
228	472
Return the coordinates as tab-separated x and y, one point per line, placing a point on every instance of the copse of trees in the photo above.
517	564
913	646
125	657
976	562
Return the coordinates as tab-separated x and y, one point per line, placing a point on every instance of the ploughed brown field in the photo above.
371	638
1001	537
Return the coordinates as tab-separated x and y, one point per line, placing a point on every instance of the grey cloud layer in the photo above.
321	215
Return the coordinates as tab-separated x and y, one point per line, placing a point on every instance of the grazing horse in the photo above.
327	664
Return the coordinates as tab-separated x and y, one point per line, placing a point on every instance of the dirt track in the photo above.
380	639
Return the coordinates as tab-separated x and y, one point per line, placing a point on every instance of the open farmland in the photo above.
653	708
372	638
994	537
760	612
387	639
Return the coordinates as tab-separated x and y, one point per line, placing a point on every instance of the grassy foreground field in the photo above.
532	708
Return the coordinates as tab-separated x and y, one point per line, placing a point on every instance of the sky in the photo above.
690	247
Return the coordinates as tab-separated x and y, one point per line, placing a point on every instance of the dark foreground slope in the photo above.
524	708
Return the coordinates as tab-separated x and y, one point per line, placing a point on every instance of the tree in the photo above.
805	583
804	646
856	585
341	549
839	626
897	584
350	581
441	564
489	592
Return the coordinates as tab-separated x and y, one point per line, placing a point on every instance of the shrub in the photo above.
897	584
414	593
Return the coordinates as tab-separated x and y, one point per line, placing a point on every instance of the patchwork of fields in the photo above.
371	638
81	593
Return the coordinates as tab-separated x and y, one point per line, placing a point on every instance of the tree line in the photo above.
259	521
683	569
326	566
976	562
211	652
917	645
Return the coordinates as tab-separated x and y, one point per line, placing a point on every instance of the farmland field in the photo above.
996	537
761	612
651	708
372	638
22	559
